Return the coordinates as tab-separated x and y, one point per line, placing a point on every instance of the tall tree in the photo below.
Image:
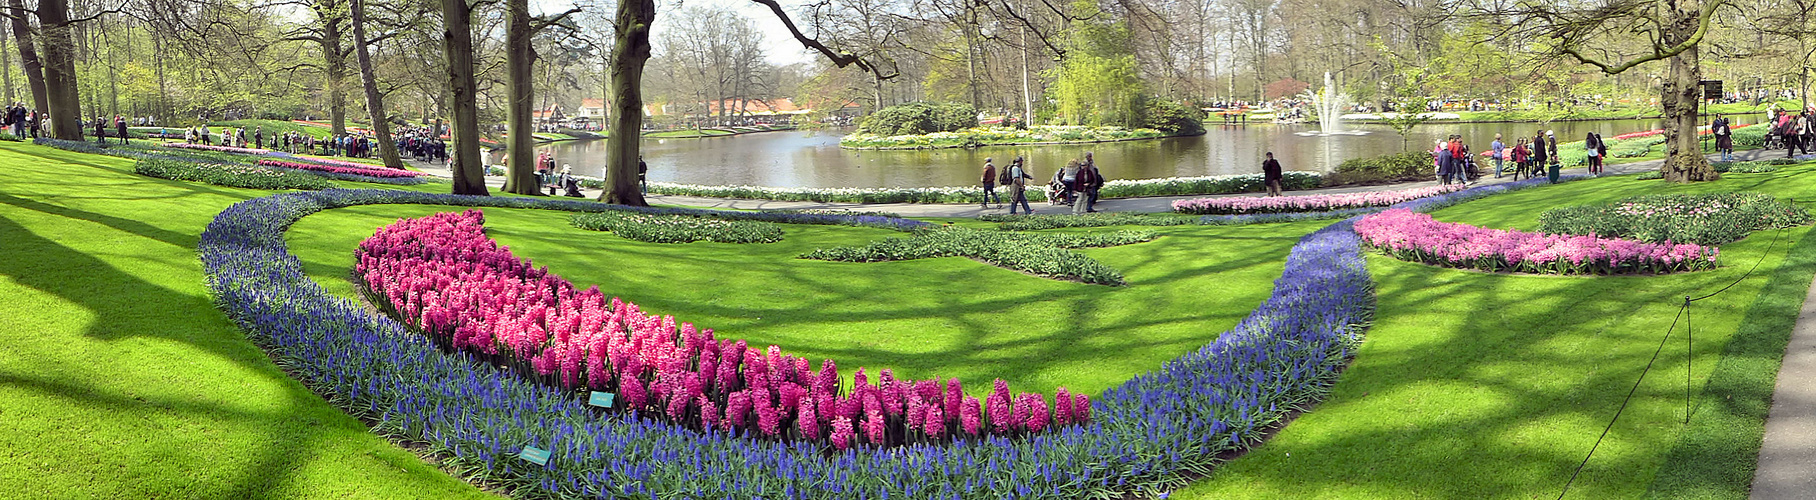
64	103
463	87
375	104
520	31
1590	34
28	54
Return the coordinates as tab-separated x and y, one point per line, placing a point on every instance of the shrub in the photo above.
1034	253
240	176
1173	118
677	228
1749	167
1116	188
1410	165
918	118
1705	219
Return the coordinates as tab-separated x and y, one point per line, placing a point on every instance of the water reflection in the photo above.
814	159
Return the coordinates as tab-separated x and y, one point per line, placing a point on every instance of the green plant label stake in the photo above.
601	399
534	455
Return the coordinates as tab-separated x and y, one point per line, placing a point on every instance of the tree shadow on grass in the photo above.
123	306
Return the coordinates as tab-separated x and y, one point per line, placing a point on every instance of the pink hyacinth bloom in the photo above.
955	396
1037	412
935	425
769	420
873	429
841	433
1081	408
970	416
810	426
1062	407
632	390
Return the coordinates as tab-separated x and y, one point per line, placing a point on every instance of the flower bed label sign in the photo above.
601	399
535	455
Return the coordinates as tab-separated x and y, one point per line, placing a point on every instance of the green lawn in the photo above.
1476	385
119	379
273	127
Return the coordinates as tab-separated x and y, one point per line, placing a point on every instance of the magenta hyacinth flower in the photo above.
810	426
935	425
1062	407
1037	412
841	433
970	416
1081	408
873	429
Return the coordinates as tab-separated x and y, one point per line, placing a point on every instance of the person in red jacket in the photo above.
990	183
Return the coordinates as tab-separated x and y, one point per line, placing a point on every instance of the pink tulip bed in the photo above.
1417	237
225	149
1314	203
441	275
365	170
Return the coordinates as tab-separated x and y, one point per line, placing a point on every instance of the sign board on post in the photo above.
535	455
601	399
1711	89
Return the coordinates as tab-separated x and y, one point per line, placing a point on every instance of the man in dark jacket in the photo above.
1271	174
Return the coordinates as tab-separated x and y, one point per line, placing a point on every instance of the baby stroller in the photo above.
1056	193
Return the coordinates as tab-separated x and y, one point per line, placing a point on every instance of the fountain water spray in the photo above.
1329	106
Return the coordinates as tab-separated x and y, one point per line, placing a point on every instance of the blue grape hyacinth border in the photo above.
1150	434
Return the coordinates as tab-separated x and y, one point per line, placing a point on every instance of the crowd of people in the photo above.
1074	185
1793	131
21	120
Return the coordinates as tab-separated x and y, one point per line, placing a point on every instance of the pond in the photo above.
814	158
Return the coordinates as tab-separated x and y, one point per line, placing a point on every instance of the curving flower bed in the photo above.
238	175
1704	219
1312	203
365	170
225	149
1151	433
1417	237
1040	254
441	275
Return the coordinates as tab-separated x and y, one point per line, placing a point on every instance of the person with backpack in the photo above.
1522	157
1018	186
1593	149
990	180
1724	137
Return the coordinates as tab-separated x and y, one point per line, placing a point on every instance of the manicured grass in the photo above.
1476	385
951	317
119	379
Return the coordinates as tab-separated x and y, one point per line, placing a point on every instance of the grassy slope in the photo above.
118	379
1474	385
949	317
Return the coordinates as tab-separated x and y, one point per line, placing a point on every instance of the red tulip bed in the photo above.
343	168
442	276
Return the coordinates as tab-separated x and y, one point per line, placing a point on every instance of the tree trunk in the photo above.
63	103
457	43
520	57
28	55
622	147
6	61
1684	159
335	60
375	104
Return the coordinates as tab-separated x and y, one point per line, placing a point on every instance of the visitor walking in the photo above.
1498	150
1521	157
990	183
1551	148
1081	194
642	176
120	125
1538	154
1724	137
258	137
1440	161
100	131
1096	183
1592	146
1069	177
1018	186
1809	129
1271	174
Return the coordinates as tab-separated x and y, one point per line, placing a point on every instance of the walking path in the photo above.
1148	204
1787	457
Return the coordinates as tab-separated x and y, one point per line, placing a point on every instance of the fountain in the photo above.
1329	106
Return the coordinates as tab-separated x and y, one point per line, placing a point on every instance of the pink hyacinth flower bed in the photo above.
444	277
366	170
244	151
1314	203
1417	237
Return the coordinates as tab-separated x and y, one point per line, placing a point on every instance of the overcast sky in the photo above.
781	48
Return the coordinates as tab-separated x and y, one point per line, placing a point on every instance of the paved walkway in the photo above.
1787	458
